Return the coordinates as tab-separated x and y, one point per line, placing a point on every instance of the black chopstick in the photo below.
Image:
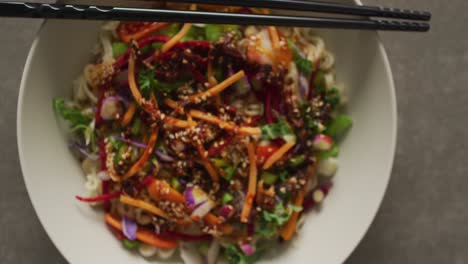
66	11
323	7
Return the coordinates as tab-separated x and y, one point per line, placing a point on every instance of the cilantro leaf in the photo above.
278	129
73	115
279	216
146	81
235	256
303	65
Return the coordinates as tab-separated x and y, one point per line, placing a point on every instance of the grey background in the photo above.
423	218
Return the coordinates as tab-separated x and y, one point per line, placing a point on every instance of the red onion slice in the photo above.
202	210
248	249
129	228
163	156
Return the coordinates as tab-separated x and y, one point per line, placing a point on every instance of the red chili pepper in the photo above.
215	150
184	237
100	198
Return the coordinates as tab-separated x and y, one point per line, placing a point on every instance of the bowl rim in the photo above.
20	145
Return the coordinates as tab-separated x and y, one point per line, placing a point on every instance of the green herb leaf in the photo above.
303	65
146	81
276	130
235	256
279	216
73	115
227	197
283	175
332	97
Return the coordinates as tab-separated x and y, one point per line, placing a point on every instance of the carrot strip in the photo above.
144	157
178	123
127	118
144	235
145	32
131	79
143	205
212	220
278	154
176	38
207	163
171	103
223	124
160	190
252	184
217	88
289	228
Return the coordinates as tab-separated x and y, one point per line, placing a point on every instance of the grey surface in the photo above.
423	218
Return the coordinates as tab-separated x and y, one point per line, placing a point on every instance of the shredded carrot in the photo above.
213	220
143	235
278	154
161	191
127	118
274	37
144	157
260	190
289	228
145	32
131	79
143	205
287	231
217	88
176	38
252	184
207	163
171	103
223	124
178	123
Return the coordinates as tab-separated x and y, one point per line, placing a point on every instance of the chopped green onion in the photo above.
136	127
276	130
118	49
269	178
130	244
229	172
118	156
333	152
297	161
339	126
227	197
283	176
220	163
175	184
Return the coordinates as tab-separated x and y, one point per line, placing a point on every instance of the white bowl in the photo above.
53	176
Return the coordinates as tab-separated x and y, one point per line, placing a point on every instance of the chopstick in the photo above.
319	6
66	11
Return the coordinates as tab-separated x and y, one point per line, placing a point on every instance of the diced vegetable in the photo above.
130	244
136	127
339	126
278	129
269	178
175	183
229	170
220	163
248	249
195	196
119	48
327	167
202	210
297	161
322	142
333	152
227	197
227	211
